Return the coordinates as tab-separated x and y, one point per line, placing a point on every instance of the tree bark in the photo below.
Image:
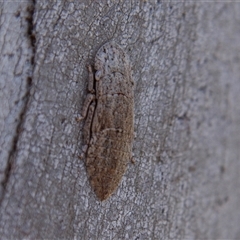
185	61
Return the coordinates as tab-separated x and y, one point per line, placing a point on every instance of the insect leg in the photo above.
89	99
88	123
90	80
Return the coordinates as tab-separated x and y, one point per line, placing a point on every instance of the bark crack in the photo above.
10	161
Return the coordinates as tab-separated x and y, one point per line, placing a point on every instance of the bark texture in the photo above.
185	59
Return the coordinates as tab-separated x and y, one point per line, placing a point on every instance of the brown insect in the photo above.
109	125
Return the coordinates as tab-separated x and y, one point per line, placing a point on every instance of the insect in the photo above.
109	125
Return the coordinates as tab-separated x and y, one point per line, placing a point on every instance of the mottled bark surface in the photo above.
185	182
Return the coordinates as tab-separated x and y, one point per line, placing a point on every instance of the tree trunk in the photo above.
185	61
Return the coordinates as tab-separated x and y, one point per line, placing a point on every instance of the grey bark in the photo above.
185	58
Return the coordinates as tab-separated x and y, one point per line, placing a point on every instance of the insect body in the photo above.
109	112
